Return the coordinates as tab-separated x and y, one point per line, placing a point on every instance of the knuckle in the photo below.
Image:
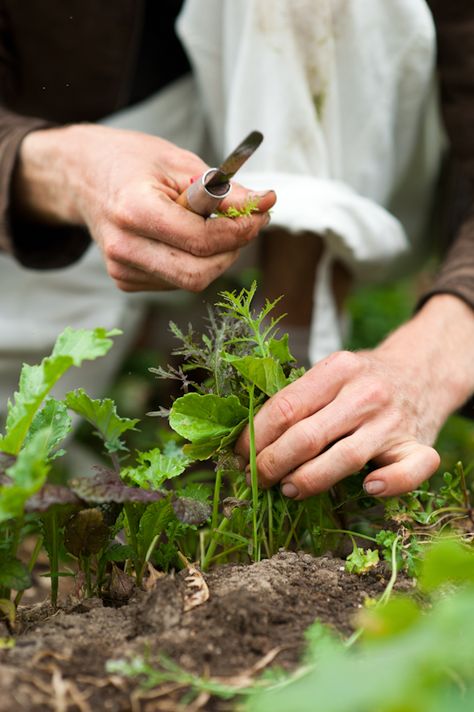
201	247
375	392
310	442
307	482
266	468
344	361
352	455
284	412
115	249
193	281
124	214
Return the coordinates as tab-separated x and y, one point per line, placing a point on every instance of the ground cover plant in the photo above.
183	502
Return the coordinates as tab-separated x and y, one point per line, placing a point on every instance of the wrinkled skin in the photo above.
122	185
385	406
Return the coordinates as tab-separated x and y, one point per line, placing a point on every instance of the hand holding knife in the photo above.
205	194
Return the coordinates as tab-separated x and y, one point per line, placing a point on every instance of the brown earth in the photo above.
256	615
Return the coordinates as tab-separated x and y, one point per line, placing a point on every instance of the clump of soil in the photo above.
59	659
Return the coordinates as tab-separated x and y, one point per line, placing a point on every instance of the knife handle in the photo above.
201	200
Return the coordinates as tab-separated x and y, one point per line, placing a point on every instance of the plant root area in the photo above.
255	618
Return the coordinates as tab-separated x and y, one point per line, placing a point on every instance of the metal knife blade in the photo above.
235	160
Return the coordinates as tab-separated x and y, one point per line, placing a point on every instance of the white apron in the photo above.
343	91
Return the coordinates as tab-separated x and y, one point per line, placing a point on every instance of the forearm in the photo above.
46	181
435	349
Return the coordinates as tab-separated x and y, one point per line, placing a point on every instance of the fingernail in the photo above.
261	193
289	490
374	487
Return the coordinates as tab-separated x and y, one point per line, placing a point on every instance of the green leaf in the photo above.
361	560
265	373
84	344
102	415
280	350
55	422
28	474
154	468
200	418
14	574
71	349
447	562
153	521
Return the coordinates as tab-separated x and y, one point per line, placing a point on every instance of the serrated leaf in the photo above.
153	522
361	560
102	415
71	349
200	418
155	467
106	486
280	350
263	372
56	424
14	574
84	344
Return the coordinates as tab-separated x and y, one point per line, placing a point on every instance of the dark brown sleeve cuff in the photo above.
456	275
33	244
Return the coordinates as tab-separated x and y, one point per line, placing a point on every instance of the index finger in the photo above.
158	217
313	391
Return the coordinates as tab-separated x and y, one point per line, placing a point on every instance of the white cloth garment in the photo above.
343	91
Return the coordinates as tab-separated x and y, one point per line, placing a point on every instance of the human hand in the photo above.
385	406
122	185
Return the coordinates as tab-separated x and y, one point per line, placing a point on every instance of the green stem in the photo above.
223	526
351	534
54	557
131	530
216	499
292	531
233	549
86	567
384	598
253	476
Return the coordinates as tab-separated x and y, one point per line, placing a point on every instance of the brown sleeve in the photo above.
455	33
33	244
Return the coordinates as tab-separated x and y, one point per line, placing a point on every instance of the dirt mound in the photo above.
59	659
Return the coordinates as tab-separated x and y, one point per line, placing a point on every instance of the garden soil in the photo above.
255	617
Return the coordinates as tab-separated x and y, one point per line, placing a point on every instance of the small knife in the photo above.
204	195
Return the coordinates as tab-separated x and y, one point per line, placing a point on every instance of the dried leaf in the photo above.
149	582
121	586
196	592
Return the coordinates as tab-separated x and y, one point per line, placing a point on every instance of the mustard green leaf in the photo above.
72	347
56	424
263	372
200	418
102	415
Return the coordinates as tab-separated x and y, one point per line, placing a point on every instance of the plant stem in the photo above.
216	499
54	558
351	534
384	598
224	524
253	476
